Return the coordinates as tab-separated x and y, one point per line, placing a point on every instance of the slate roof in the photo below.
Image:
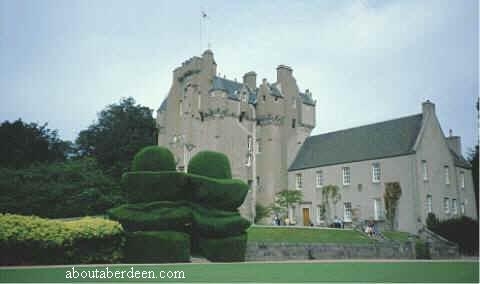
380	140
460	161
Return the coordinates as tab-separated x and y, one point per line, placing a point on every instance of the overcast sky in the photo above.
61	62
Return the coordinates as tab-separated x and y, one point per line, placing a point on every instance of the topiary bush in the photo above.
157	246
216	223
147	186
210	164
224	194
153	216
34	240
153	158
224	249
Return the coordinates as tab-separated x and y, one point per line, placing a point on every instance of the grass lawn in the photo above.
396	236
438	272
305	235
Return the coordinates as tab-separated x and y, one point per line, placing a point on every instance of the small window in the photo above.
446	205
258	146
249	160
447	175
240	117
425	170
462	208
347	212
249	144
264	98
294	122
346	175
454	207
319	179
318	214
376	173
429	204
462	180
258	181
201	117
299	181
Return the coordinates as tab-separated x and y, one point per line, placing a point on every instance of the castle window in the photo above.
377	209
447	175
299	181
446	205
249	144
180	108
242	114
425	170
462	208
319	179
346	175
347	212
201	116
264	98
462	180
376	173
294	121
454	207
429	204
258	146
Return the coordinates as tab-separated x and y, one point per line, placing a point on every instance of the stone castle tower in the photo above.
259	127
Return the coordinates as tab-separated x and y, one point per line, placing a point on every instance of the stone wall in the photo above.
439	247
260	251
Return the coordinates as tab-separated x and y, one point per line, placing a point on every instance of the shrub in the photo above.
148	186
59	190
33	240
463	231
226	194
153	216
216	223
157	246
432	221
153	158
210	164
224	249
421	250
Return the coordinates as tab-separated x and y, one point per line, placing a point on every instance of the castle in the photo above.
264	128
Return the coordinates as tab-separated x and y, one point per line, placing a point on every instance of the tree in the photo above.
284	199
473	159
121	131
23	144
391	197
330	193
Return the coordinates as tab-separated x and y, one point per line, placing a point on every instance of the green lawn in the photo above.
396	236
305	235
438	272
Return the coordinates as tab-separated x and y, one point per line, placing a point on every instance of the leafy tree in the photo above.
23	144
473	159
391	197
284	199
330	193
66	189
261	212
121	131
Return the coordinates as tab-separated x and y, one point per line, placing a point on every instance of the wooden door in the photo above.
306	216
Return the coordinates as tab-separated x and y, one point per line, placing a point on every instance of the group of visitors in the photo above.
371	229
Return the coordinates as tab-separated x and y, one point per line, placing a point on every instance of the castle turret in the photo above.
250	80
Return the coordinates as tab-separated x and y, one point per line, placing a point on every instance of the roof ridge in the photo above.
365	125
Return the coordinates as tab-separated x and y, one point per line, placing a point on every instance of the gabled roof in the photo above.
380	140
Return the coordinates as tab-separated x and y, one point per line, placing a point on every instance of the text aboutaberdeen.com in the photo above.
122	273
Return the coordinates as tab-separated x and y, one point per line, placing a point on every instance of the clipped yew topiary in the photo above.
157	246
153	158
145	186
228	249
210	164
153	216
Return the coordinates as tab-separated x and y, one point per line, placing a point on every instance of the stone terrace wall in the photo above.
439	247
260	251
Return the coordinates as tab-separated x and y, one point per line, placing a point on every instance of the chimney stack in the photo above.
454	143
250	80
428	108
283	72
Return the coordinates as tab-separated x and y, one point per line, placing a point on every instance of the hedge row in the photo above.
33	240
157	246
179	216
463	231
224	249
144	186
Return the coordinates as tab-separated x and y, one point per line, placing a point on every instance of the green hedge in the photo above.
216	223
227	194
157	246
224	249
153	216
153	158
33	240
210	164
463	231
148	186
